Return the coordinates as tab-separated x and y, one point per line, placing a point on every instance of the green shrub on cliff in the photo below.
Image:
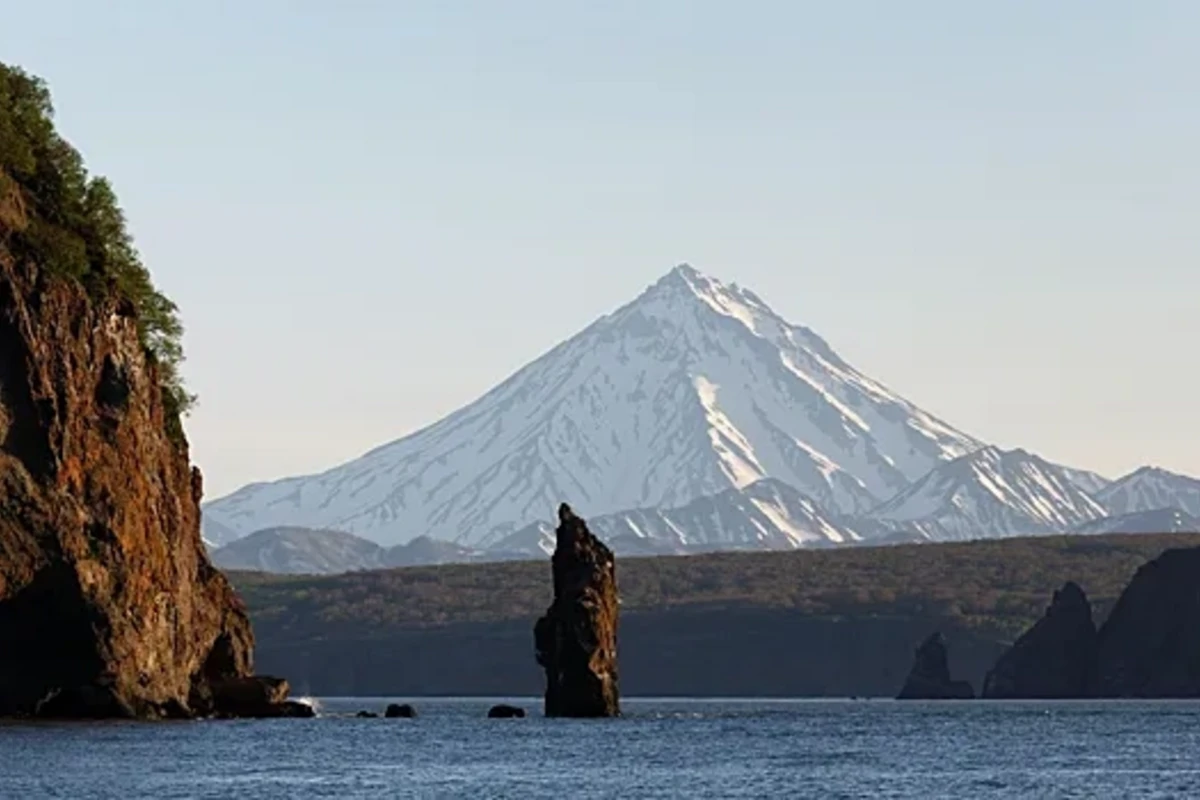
73	225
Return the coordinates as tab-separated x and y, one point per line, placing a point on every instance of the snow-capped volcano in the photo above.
1151	488
988	494
694	388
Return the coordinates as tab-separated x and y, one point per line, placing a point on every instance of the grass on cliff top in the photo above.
1003	585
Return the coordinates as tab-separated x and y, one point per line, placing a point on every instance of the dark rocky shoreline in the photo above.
1149	647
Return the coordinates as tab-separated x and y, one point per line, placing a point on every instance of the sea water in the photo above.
659	748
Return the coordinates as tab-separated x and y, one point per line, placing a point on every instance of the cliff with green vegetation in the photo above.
109	606
72	226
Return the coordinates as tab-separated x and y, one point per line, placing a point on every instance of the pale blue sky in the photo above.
369	213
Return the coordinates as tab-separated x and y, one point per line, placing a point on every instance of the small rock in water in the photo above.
260	696
402	711
366	715
296	709
505	712
930	676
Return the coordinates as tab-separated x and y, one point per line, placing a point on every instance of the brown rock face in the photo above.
576	640
1150	644
1053	659
108	603
930	677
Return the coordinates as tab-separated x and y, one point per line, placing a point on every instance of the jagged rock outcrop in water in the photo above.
930	675
576	640
109	606
1054	658
1150	644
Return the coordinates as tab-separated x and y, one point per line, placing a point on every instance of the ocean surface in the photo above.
660	748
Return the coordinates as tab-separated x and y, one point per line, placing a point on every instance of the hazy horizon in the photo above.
370	215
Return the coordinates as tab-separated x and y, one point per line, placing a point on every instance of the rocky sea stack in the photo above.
1150	644
576	640
1054	658
109	606
930	676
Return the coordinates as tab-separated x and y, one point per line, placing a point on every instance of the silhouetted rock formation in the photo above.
1150	644
930	675
255	696
404	711
109	606
1053	659
576	640
505	712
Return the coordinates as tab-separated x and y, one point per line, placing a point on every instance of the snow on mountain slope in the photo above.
693	388
300	551
1159	520
766	515
990	494
424	551
1090	482
1151	488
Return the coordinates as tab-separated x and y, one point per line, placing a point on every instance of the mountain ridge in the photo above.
990	493
1150	488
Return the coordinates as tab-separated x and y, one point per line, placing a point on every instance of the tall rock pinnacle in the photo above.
576	640
1053	659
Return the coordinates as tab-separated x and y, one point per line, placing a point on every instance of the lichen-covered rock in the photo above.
1150	644
930	676
576	640
1053	659
109	606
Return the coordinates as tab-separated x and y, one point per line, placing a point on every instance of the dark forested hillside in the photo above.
803	622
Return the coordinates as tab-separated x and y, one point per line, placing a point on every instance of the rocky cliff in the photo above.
930	676
108	604
1150	644
1053	659
576	640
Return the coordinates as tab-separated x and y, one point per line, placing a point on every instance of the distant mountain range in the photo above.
308	551
987	494
693	418
1006	493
